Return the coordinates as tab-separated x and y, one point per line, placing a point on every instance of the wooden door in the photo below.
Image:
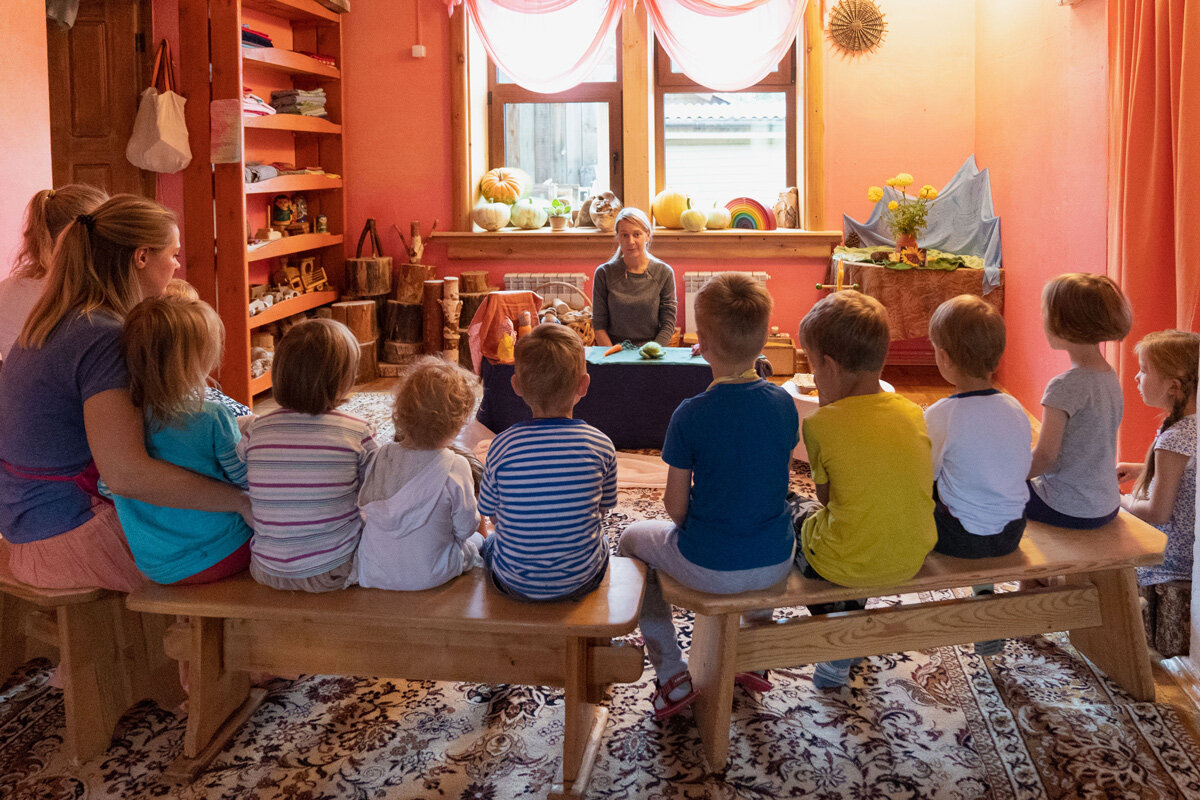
98	69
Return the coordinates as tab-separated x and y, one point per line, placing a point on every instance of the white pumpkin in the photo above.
490	216
718	218
693	219
527	214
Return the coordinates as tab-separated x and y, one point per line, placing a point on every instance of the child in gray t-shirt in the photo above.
1073	479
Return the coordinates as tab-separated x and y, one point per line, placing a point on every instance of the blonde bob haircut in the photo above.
733	313
1083	308
93	267
315	366
170	345
48	215
971	331
549	364
849	327
434	400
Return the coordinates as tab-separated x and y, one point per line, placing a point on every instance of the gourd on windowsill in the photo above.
504	185
693	219
668	205
490	216
528	214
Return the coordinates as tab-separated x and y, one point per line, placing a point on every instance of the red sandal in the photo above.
664	706
754	681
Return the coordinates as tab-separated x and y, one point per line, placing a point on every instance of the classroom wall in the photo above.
24	136
1041	109
397	130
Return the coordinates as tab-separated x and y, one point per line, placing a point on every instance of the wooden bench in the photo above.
1097	603
108	657
461	631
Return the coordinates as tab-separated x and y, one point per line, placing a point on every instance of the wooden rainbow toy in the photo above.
748	213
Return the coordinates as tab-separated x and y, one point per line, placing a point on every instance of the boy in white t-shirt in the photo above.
981	441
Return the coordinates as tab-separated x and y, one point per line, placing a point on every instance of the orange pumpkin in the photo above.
503	185
668	205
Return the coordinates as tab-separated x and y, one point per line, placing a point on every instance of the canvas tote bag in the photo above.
160	139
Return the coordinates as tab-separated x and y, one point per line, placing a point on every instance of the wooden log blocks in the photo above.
359	317
432	324
474	281
471	301
367	277
408	287
402	321
451	305
390	370
402	352
450	347
368	359
464	351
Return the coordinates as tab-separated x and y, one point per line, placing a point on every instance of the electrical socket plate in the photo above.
418	51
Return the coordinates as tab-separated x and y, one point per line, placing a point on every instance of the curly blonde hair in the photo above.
434	400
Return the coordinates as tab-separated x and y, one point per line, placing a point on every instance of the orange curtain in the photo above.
1154	180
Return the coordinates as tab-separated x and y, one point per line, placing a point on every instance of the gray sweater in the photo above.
637	307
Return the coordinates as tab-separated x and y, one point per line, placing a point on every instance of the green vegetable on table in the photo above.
651	350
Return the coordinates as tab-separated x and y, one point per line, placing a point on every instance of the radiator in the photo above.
692	281
543	284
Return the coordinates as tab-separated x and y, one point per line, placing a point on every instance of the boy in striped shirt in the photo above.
548	480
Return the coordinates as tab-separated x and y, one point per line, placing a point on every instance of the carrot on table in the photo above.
616	348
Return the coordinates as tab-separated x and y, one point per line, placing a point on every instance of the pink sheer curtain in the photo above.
544	45
726	46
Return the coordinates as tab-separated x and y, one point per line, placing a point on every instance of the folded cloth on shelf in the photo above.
260	172
254	105
256	38
324	59
313	95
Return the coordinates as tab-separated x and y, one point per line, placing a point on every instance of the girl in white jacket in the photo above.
418	496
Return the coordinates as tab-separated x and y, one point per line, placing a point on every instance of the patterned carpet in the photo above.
1034	722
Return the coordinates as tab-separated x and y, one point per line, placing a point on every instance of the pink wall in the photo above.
24	136
1041	106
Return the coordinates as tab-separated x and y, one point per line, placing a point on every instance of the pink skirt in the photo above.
94	554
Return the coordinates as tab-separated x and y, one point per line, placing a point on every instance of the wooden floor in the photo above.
924	386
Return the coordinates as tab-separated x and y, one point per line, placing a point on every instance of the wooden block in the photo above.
262	339
402	321
470	304
359	317
781	355
402	352
474	282
367	277
390	370
408	287
431	330
368	358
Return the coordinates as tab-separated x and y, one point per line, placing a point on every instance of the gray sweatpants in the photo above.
656	542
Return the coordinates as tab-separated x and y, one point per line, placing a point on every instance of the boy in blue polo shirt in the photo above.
548	480
728	453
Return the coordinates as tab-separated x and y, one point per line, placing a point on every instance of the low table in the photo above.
630	399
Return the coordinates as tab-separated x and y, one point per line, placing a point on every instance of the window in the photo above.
720	145
570	142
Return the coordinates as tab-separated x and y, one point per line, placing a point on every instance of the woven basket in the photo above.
578	321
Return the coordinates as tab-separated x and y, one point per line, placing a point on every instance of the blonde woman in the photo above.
47	215
633	293
69	419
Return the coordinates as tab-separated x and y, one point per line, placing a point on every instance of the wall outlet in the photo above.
418	51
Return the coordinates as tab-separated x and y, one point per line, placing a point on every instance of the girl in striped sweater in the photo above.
306	461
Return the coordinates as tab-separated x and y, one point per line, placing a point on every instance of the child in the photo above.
1165	492
548	480
981	441
170	345
871	462
306	463
1072	478
178	287
728	453
418	497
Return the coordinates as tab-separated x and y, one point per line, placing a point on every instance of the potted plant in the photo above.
560	213
906	216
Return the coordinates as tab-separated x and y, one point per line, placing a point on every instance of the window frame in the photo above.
668	82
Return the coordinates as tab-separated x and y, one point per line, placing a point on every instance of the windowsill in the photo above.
667	244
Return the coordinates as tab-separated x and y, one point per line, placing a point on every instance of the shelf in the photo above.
666	244
296	123
293	244
287	308
294	183
279	60
307	11
260	384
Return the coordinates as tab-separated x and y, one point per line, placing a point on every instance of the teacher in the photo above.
68	418
633	293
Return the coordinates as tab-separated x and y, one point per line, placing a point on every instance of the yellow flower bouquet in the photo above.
907	216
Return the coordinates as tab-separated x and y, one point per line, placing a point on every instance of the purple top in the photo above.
42	392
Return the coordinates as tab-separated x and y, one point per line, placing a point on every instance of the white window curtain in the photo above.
551	45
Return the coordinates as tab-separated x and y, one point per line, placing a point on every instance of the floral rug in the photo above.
1034	722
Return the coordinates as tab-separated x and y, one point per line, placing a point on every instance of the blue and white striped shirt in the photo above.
547	484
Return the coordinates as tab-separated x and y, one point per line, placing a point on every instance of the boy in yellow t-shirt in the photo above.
871	462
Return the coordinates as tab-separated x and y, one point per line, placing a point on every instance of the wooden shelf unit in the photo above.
224	267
